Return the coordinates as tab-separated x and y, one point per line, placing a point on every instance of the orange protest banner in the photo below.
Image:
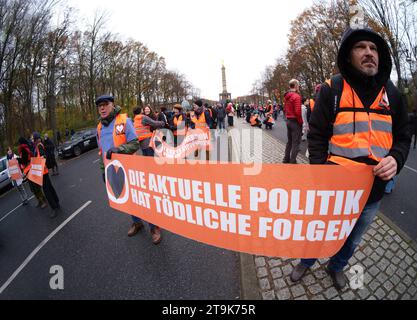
292	211
37	166
14	170
193	140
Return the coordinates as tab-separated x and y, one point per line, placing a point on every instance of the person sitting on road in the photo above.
254	120
269	121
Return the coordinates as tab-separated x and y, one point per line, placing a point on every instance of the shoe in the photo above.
25	202
298	272
53	213
156	235
134	229
43	205
339	278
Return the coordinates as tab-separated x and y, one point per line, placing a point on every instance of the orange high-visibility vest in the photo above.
200	123
28	167
179	124
142	132
253	120
312	104
358	132
119	131
38	155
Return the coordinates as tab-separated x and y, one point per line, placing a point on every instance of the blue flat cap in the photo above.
104	98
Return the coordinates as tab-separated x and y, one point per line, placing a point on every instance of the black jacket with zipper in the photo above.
367	88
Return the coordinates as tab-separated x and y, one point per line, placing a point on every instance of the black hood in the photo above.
354	77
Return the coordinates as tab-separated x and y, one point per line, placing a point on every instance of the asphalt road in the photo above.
401	205
98	259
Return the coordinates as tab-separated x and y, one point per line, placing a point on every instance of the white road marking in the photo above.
411	169
41	245
9	213
96	161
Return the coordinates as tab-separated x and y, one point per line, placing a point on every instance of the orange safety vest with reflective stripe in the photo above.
119	131
358	132
142	132
179	124
200	123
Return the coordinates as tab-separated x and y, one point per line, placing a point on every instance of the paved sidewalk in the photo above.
387	256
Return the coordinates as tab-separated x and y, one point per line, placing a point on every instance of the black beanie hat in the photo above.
199	103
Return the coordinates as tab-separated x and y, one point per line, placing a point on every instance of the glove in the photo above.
110	152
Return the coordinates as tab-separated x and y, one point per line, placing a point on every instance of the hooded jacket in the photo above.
367	88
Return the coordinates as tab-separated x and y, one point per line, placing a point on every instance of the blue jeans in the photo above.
390	185
137	220
341	259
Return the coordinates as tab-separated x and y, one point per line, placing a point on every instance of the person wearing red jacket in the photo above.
292	109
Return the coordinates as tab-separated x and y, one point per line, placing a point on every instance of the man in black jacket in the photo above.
359	117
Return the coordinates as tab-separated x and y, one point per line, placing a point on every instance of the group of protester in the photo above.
117	133
358	116
35	147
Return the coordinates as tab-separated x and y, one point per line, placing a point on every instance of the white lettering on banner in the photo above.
316	230
137	178
207	217
36	167
198	191
280	199
201	203
141	198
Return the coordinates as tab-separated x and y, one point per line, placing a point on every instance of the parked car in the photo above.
4	177
80	142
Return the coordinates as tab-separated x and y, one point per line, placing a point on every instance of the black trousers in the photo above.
294	133
50	193
230	121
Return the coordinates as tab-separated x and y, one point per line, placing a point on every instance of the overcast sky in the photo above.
194	36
